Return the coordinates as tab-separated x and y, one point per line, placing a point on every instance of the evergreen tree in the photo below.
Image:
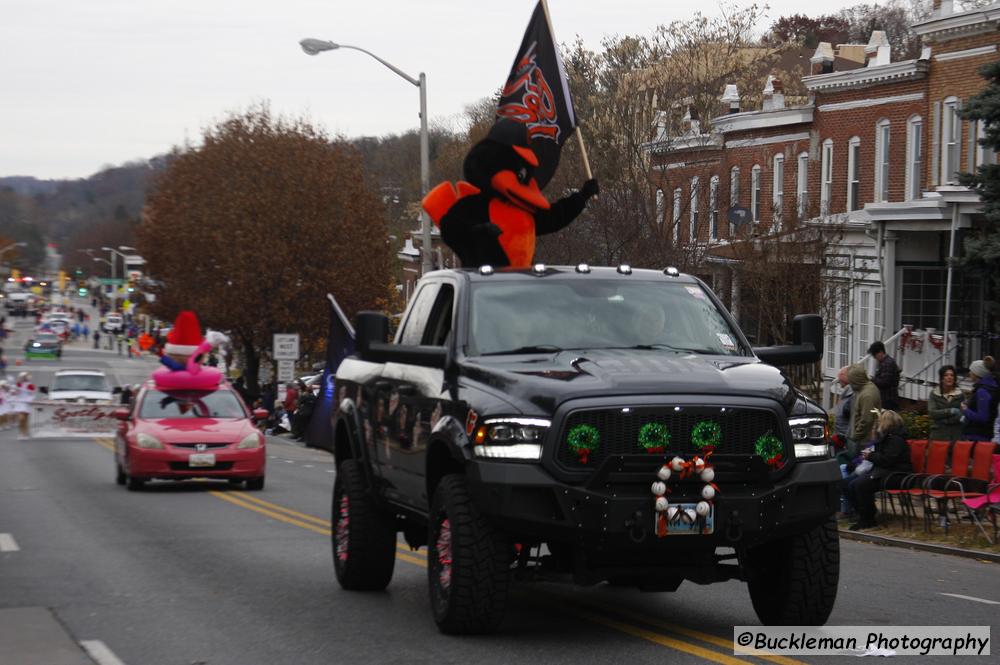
982	248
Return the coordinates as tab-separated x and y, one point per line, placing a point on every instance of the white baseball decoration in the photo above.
664	473
659	488
677	464
708	474
708	492
662	504
702	508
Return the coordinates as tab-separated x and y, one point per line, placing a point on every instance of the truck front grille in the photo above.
618	431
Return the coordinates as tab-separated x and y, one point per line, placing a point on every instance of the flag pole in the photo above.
579	134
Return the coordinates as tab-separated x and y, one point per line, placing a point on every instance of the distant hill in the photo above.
29	186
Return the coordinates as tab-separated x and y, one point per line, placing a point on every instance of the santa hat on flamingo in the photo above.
185	336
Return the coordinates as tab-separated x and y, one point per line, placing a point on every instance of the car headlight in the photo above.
250	441
809	435
148	441
510	438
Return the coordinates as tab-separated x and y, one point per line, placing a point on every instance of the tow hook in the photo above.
636	532
734	527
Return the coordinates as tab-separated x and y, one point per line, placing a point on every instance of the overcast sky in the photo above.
92	83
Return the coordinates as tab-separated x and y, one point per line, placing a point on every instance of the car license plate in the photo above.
201	459
686	522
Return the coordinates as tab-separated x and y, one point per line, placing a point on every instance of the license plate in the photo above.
201	459
686	522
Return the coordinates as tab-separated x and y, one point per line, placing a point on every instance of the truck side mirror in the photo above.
807	347
369	327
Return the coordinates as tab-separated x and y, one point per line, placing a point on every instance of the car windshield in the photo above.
201	404
80	382
46	339
539	317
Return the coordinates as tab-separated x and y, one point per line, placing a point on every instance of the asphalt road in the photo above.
199	573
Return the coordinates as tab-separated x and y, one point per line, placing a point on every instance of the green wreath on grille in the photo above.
769	447
654	437
706	434
583	440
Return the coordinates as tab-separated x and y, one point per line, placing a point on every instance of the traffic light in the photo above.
82	291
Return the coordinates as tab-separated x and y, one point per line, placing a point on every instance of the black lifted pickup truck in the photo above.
588	424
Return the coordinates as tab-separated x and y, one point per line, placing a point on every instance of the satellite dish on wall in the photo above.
738	215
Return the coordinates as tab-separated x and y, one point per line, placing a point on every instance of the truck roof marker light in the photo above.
538	268
582	267
671	271
486	270
624	269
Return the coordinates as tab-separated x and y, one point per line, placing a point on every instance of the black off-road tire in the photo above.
367	553
475	597
793	582
254	484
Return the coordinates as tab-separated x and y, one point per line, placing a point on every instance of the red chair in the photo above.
961	484
896	484
989	503
913	485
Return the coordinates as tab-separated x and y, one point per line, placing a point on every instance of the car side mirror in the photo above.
260	414
806	347
370	327
44	390
121	414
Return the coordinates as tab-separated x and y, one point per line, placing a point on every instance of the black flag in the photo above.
537	94
339	345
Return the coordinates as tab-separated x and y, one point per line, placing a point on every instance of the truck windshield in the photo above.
533	317
94	382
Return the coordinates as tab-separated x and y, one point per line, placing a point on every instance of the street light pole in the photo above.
316	46
114	287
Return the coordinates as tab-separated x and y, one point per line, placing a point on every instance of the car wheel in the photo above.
255	484
793	581
119	474
363	537
468	563
133	484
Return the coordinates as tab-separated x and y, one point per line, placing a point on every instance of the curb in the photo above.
918	545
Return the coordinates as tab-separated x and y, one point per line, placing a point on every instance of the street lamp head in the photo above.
316	46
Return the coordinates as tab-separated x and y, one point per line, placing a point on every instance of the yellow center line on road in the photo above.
403	552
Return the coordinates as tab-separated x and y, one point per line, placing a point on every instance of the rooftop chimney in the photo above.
690	122
732	97
878	50
944	7
822	59
774	94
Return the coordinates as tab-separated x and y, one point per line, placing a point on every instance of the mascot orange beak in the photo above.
519	187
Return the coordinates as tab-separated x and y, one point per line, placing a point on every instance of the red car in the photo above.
176	435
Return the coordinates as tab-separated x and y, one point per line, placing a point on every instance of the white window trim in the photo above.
755	193
693	210
734	194
677	215
882	161
853	165
713	208
826	176
778	190
661	206
914	134
802	185
949	111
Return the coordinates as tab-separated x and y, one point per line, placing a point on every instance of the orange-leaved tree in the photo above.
253	227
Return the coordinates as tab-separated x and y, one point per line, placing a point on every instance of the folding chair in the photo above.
896	484
943	488
912	485
988	503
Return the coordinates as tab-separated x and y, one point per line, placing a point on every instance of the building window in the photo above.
661	205
826	173
839	328
853	173
734	194
713	207
677	215
802	189
951	141
923	300
779	191
755	192
914	157
984	154
882	161
693	234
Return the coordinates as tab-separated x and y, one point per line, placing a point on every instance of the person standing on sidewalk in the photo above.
945	407
886	376
866	401
24	395
980	410
97	338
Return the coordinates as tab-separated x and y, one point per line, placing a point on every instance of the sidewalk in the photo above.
963	538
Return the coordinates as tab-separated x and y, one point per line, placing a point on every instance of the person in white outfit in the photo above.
24	395
5	405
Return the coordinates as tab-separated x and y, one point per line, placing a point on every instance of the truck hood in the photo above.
545	380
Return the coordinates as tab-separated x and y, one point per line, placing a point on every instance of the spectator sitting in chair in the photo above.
889	455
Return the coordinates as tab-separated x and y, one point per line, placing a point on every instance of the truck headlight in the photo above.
510	438
809	436
148	441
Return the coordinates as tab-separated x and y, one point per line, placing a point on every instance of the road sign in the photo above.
286	370
286	347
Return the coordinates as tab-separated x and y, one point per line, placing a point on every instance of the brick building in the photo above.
870	162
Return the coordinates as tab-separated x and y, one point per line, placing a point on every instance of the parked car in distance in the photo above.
89	386
113	322
43	345
177	435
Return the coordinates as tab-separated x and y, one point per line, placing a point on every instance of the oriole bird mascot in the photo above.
493	217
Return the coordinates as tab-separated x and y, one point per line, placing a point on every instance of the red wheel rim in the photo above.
343	522
443	549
